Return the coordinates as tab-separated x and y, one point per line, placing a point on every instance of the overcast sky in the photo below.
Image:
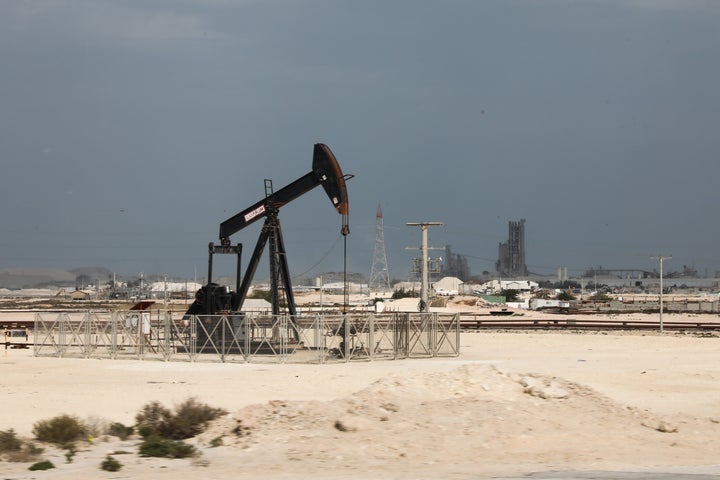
129	130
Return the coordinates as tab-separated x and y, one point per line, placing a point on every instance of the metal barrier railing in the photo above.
312	338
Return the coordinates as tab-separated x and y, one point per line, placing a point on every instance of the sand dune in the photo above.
512	403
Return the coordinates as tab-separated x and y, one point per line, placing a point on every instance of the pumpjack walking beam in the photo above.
325	171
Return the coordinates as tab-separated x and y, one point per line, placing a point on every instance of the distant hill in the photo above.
17	278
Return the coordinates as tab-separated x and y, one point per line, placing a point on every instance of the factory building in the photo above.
511	254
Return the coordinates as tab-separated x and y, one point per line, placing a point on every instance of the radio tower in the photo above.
379	275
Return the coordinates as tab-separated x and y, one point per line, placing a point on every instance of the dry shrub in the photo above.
152	418
117	429
12	449
22	456
9	441
60	430
189	419
96	426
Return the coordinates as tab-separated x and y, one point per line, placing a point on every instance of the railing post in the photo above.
167	332
61	335
346	338
316	336
113	334
433	334
284	335
36	330
457	334
371	336
248	335
192	347
223	325
87	333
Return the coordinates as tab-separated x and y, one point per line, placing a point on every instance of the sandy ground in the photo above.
511	404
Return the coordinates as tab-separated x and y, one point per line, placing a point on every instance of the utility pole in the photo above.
660	259
424	284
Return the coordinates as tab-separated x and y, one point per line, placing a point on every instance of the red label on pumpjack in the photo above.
258	211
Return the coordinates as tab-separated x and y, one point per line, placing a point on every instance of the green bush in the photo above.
510	295
110	464
600	297
190	419
155	446
402	293
44	465
63	429
565	296
9	441
117	429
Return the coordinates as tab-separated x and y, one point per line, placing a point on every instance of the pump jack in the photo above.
215	299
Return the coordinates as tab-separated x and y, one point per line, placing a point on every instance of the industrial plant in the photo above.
511	254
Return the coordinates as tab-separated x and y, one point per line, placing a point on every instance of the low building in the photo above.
447	286
407	286
540	303
496	286
81	295
256	305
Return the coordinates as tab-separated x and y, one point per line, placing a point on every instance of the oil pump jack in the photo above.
216	299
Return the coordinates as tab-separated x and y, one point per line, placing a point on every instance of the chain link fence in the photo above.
314	338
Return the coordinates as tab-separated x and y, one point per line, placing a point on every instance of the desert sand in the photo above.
509	405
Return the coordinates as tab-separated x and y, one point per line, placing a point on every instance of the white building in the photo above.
447	286
540	303
496	286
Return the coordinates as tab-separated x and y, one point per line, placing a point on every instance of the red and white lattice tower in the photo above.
379	275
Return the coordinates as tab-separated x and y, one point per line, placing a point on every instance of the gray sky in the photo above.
129	130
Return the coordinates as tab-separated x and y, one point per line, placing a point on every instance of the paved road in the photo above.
714	474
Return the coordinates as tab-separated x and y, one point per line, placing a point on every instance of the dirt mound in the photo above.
456	422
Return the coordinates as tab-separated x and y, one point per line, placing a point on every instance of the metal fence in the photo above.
314	338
